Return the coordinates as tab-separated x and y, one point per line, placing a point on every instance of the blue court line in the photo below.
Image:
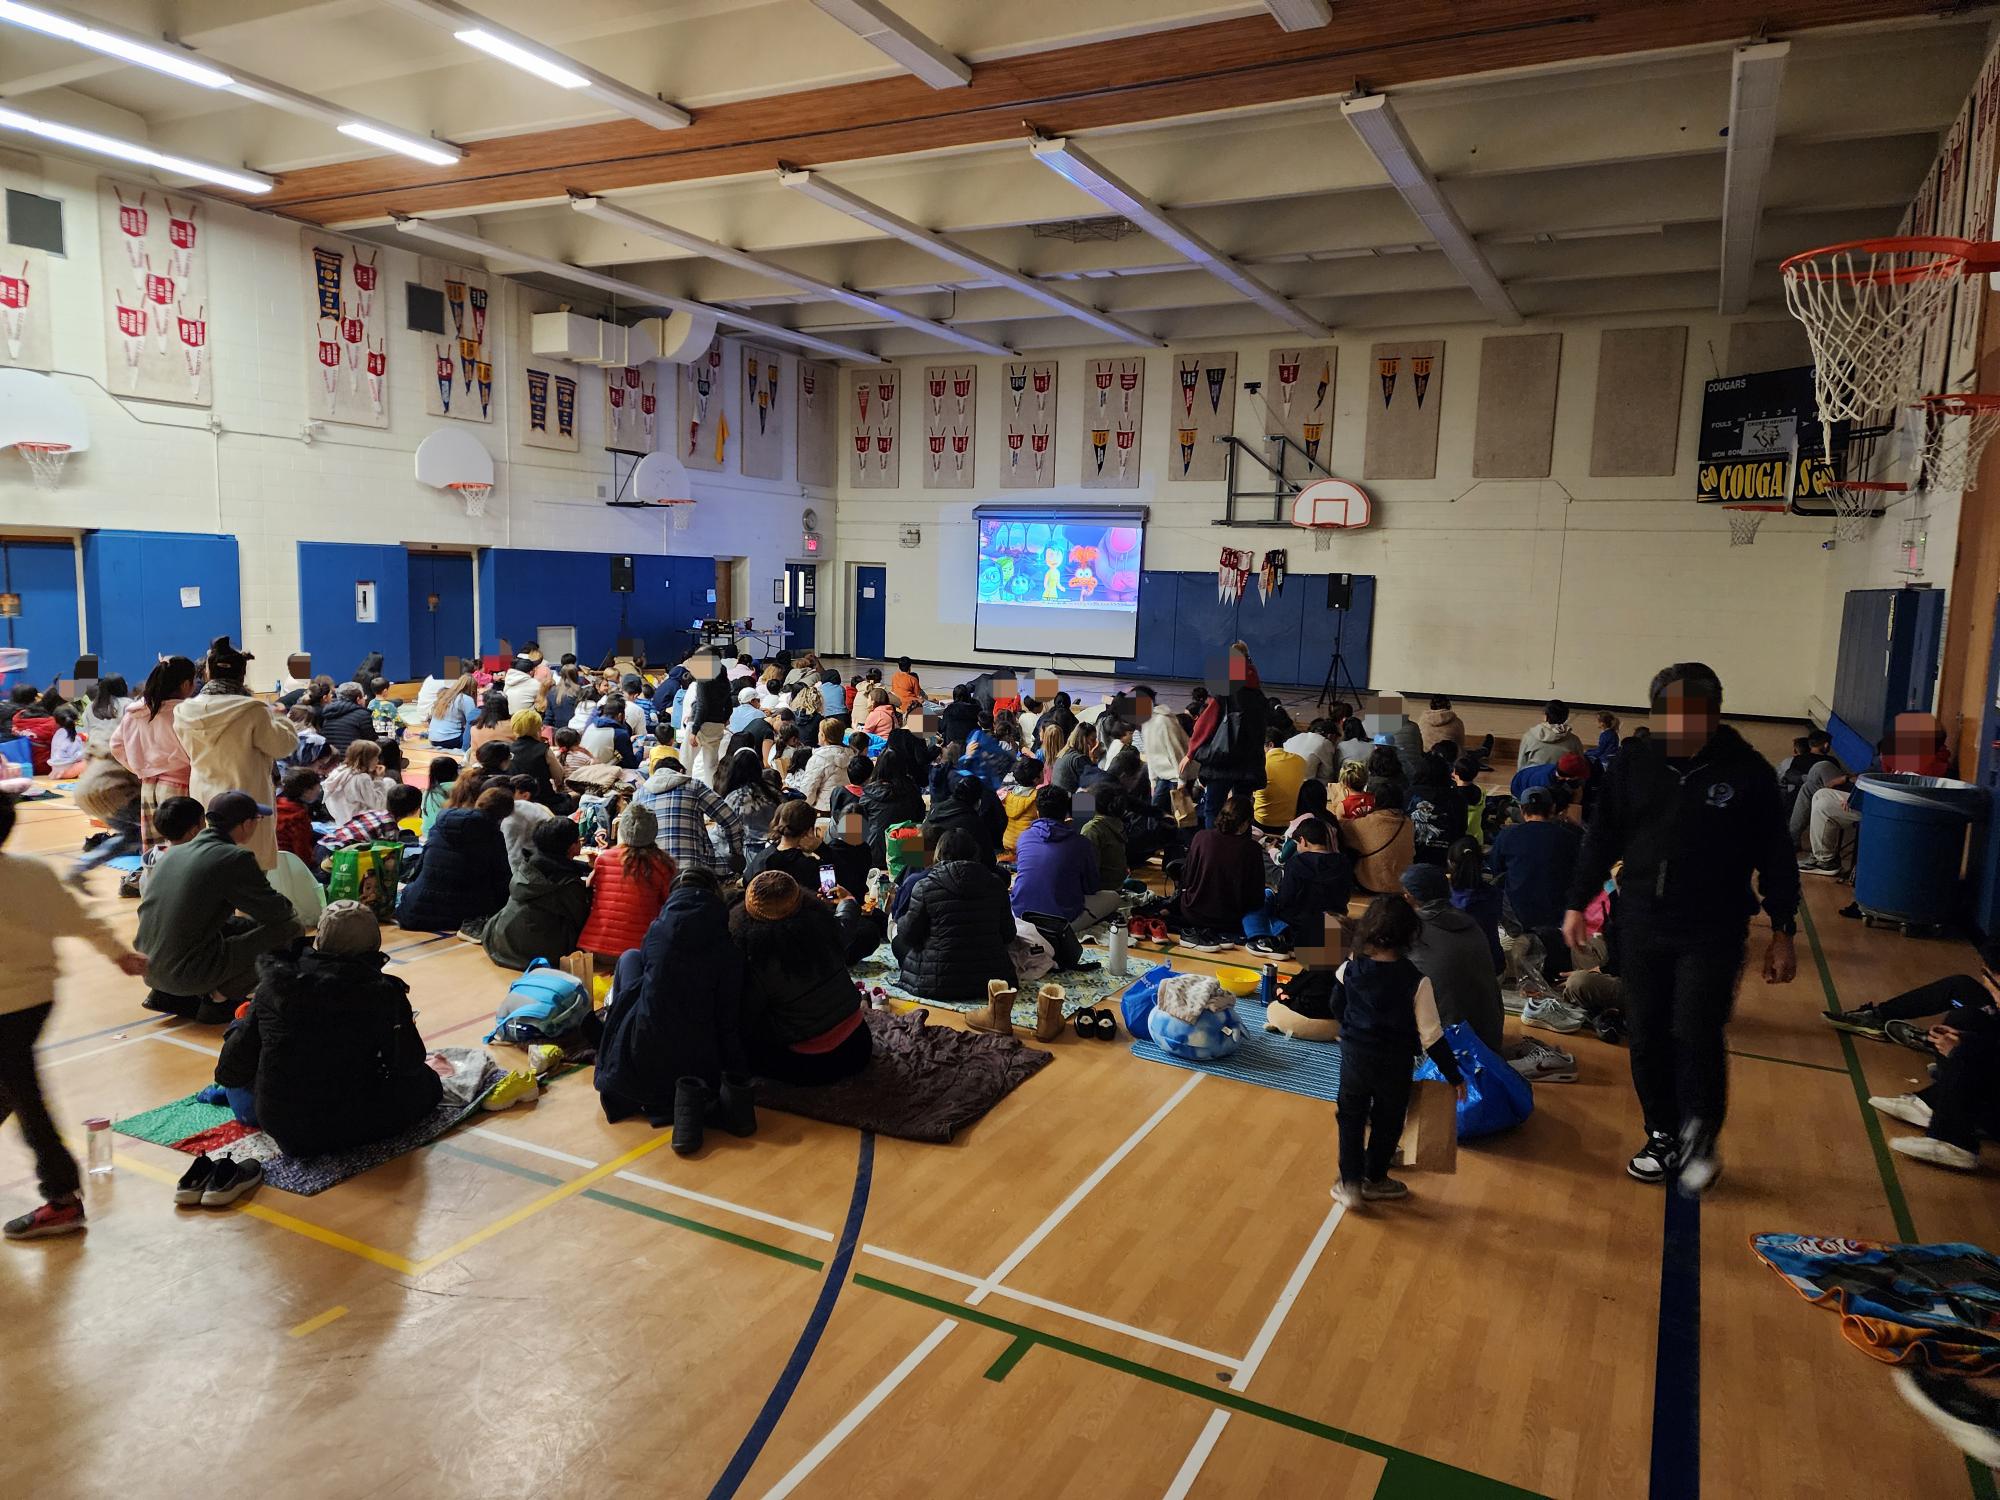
752	1446
1676	1470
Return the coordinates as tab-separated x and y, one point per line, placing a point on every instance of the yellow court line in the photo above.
315	1324
548	1200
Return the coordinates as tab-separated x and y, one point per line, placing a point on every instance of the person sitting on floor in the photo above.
794	847
345	718
1533	861
1387	783
1440	722
376	824
529	757
909	692
684	807
1355	801
803	1017
1955	998
66	746
1313	890
464	874
1275	803
1437	811
297	796
1451	952
526	815
1104	831
953	938
1017	801
1056	867
1550	740
607	739
968	806
827	766
1222	880
444	771
1381	843
1570	772
1963	1102
328	1056
1078	761
208	914
628	887
356	784
890	797
548	902
753	794
1465	865
1605	750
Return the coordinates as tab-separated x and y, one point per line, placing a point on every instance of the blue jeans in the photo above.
1262	923
123	839
242	1102
1213	799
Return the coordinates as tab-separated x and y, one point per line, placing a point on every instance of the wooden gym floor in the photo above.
1126	1281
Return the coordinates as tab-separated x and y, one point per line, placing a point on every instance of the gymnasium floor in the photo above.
1127	1280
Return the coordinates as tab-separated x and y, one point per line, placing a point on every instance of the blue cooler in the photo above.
1913	844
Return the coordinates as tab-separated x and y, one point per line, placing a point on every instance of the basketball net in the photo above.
1855	504
1956	432
683	512
45	462
1867	308
1743	526
473	494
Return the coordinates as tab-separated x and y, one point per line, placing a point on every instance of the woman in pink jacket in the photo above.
146	745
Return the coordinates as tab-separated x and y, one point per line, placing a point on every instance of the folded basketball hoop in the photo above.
45	461
1956	432
472	493
1867	306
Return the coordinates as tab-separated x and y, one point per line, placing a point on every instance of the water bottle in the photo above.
1118	939
1267	986
98	1138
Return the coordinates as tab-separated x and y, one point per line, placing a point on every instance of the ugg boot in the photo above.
690	1109
998	1017
736	1108
1048	1012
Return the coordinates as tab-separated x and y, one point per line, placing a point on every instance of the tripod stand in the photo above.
1338	678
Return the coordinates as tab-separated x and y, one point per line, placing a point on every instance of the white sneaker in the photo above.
1347	1194
1905	1107
1553	1015
1540	1064
1700	1164
1937	1153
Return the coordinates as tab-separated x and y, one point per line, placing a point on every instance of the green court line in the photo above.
1790	1062
512	1169
1002	1367
728	1237
1885	1162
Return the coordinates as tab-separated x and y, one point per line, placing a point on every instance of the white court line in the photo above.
1191	1466
802	1470
130	1041
430	951
174	1040
1082	1191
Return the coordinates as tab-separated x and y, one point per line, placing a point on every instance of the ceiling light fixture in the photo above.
405	145
1755	76
133	151
1300	15
889	34
515	55
112	43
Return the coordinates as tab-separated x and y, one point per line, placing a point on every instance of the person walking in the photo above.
1226	745
1695	815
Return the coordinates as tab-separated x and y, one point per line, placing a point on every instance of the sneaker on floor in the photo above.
1388	1190
1347	1194
1908	1108
48	1221
1818	867
1200	940
129	885
195	1180
474	931
1539	1064
231	1180
1658	1157
1938	1153
1700	1163
1864	1020
1962	1411
1553	1015
1909	1034
1269	947
511	1090
1609	1025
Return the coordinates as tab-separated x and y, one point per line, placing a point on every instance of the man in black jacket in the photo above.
705	723
345	719
1694	814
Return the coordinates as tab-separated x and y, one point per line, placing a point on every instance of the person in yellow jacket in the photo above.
1276	802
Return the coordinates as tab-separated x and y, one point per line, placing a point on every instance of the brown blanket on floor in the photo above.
924	1083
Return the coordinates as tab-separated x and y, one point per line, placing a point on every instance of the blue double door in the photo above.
413	605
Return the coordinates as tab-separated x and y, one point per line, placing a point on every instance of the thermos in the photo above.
1118	939
1267	986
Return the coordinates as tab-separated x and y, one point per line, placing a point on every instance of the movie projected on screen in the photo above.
1059	580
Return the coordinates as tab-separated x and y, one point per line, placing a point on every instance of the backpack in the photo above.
541	1005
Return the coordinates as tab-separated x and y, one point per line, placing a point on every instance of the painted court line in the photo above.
315	1324
113	1030
173	1039
130	1041
841	1430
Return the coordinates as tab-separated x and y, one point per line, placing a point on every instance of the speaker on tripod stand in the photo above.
1339	599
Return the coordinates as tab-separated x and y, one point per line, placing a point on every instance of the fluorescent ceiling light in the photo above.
597	208
1755	76
1374	120
862	210
133	151
888	33
642	296
1300	15
126	48
544	68
1074	165
407	145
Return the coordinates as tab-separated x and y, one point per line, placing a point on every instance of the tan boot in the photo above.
1048	1012
998	1017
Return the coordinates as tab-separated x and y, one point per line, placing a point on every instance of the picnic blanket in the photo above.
1081	989
924	1083
196	1128
1266	1058
1900	1304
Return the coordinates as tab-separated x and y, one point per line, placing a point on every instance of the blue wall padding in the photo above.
132	582
44	575
447	630
521	591
328	572
1184	628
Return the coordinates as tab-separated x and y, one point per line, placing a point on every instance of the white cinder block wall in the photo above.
156	466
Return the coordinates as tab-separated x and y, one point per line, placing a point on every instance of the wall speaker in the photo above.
1339	590
621	575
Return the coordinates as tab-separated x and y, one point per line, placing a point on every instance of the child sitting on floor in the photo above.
443	773
298	794
1355	802
1312	893
1017	800
569	754
1387	1012
356	784
66	746
377	824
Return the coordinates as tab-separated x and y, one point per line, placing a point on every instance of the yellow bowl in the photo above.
1240	981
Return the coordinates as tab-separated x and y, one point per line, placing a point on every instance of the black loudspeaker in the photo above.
1339	590
621	575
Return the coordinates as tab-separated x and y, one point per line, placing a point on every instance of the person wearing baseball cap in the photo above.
209	912
1569	773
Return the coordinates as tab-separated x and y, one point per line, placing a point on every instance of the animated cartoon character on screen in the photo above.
989	581
1006	571
1083	580
1020	585
1052	579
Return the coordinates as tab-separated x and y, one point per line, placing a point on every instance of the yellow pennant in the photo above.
721	437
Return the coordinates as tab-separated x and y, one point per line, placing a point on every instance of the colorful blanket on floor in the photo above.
1900	1304
1081	991
924	1083
196	1128
1267	1058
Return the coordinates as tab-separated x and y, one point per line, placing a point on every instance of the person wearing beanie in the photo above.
1451	952
628	886
233	740
803	1021
548	902
328	1049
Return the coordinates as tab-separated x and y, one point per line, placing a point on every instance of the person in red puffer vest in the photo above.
628	886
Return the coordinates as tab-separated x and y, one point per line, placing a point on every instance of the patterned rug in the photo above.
1081	991
1268	1059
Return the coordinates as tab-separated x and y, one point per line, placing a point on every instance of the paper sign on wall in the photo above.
364	602
868	592
191	598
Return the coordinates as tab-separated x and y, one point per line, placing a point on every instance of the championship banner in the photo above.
565	406
538	400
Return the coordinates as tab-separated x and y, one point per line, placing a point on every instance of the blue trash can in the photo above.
1913	844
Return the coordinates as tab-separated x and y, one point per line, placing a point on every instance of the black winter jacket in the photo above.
463	875
957	722
331	1050
343	722
884	803
711	702
955	934
984	819
796	984
1692	833
683	1021
1313	885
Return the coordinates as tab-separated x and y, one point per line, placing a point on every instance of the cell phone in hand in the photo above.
826	880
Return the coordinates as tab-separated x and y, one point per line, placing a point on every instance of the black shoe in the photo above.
1864	1020
1200	940
195	1180
168	1005
1269	947
1909	1034
1852	909
1960	1410
215	1012
690	1110
736	1106
231	1180
1656	1159
1609	1025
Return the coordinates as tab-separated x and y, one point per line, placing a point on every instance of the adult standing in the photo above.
1694	813
145	743
233	741
706	723
1226	745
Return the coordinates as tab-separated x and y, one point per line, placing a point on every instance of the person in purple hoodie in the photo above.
1055	867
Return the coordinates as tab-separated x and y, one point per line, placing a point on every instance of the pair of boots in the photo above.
998	1016
733	1107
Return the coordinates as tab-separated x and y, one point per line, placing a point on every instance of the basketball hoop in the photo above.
1867	306
1856	502
1744	521
683	512
45	461
1956	432
473	493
